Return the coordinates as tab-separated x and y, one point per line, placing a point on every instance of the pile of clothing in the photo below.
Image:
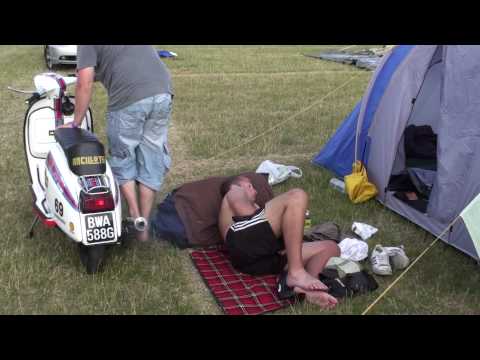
346	276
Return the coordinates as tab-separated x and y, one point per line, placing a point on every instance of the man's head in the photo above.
241	181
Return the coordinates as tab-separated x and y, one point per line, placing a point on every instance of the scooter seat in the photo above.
85	154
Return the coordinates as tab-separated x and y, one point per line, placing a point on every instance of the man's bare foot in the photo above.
320	298
305	281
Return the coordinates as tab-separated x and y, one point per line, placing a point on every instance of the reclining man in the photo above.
270	240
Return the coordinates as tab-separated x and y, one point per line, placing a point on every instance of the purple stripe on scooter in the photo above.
57	177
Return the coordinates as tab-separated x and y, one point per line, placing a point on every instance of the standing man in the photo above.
139	107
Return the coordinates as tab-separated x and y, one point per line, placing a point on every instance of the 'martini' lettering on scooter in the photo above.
88	160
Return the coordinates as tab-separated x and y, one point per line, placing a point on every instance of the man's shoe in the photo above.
140	224
283	290
398	258
136	228
380	261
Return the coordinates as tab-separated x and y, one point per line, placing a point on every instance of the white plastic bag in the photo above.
365	231
278	173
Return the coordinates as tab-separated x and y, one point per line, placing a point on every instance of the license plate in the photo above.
100	228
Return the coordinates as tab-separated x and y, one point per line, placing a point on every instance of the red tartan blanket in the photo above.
236	293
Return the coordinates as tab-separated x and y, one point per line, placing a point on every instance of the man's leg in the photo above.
147	196
286	215
153	158
315	256
123	142
317	253
129	192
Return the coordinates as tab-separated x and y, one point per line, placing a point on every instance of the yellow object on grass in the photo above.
358	188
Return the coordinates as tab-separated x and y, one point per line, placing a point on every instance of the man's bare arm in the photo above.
83	93
224	218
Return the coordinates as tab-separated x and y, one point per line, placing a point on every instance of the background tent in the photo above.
364	59
417	128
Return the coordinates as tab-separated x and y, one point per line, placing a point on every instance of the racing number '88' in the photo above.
58	207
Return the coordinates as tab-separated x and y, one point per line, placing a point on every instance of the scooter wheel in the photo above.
83	252
92	257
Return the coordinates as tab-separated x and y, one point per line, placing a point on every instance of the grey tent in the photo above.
364	59
417	129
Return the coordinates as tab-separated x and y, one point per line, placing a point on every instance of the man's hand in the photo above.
67	125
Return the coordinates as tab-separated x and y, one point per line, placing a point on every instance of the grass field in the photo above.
226	96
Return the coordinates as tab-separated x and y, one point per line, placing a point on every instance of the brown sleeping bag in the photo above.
198	205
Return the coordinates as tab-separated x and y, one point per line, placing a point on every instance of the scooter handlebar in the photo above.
35	95
33	98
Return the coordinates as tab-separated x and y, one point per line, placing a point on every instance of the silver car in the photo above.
60	54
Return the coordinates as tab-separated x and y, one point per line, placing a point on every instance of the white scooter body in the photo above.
63	201
57	190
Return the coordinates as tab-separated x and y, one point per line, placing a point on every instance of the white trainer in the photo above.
398	258
380	261
140	224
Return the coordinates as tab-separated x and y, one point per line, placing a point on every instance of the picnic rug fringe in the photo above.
236	293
